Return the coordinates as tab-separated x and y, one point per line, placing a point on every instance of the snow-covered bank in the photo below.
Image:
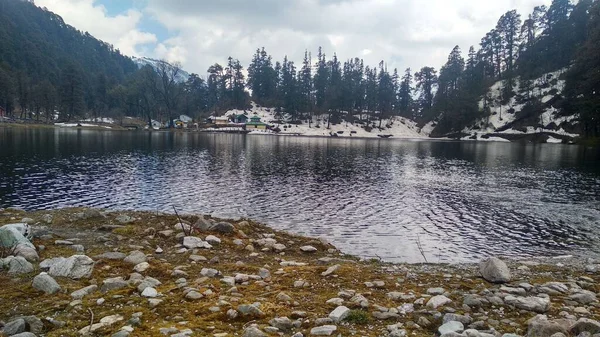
76	125
396	127
507	120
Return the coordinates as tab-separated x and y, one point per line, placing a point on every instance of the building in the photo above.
255	124
220	120
240	119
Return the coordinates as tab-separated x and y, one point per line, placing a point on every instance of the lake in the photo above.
460	201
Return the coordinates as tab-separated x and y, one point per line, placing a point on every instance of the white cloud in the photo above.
120	30
404	33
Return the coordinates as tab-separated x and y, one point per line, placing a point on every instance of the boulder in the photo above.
282	323
438	301
45	283
450	327
15	237
339	314
75	267
494	270
535	304
19	265
14	327
192	242
585	325
114	283
222	227
136	257
325	330
81	293
540	326
253	332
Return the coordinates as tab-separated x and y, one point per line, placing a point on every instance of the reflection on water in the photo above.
462	200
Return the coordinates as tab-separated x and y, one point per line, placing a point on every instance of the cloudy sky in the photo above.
198	33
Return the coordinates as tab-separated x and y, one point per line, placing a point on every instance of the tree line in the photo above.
48	66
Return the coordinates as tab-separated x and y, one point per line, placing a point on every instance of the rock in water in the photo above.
44	282
75	267
494	270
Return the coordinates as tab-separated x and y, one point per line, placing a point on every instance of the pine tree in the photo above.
427	81
405	94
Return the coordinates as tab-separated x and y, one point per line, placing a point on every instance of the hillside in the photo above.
535	111
141	62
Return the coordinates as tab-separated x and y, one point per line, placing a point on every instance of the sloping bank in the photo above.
145	274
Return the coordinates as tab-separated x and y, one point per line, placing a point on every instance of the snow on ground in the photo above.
399	127
74	125
500	116
106	120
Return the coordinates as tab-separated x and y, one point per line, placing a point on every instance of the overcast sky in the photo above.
198	33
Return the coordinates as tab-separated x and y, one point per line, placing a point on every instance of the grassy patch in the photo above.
359	317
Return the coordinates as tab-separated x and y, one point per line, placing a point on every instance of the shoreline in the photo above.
519	137
254	275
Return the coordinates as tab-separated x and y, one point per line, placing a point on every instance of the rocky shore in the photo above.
81	272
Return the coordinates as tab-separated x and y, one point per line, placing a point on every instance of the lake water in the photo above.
461	200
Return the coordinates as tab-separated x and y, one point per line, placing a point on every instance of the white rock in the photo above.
339	314
213	240
44	282
150	292
325	330
75	267
308	249
142	267
438	301
494	270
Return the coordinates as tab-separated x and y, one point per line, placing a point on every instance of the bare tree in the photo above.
166	88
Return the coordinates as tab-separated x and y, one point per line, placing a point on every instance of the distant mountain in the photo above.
145	61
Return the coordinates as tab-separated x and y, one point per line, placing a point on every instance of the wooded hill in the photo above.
47	66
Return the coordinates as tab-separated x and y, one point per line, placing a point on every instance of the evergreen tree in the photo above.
427	81
405	94
72	92
583	79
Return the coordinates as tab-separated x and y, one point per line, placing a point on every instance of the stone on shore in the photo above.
192	242
81	293
19	265
75	267
339	314
45	283
536	304
494	270
136	257
438	301
325	330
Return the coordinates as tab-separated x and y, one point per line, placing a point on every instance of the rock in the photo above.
150	292
250	310
111	256
222	227
208	272
283	297
438	301
213	240
450	327
104	322
192	242
142	267
24	334
436	291
158	250
423	322
253	332
330	270
193	295
465	320
136	257
282	323
27	251
19	265
154	302
264	273
535	304
75	267
148	282
197	258
585	325
494	270
15	236
540	327
308	249
44	282
583	297
14	327
33	324
114	283
382	316
325	330
63	243
278	247
121	333
81	293
335	301
339	314
124	219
